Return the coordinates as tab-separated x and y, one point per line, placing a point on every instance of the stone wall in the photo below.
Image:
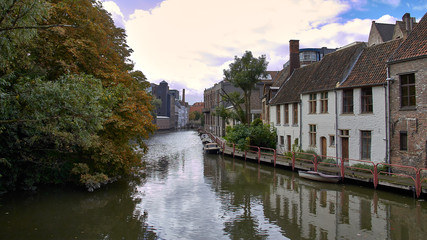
412	121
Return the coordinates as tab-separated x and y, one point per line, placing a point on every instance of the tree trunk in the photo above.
248	107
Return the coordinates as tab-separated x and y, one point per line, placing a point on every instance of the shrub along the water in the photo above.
257	134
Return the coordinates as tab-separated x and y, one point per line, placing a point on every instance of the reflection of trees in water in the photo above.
67	214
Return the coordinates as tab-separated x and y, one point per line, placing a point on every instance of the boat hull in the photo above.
317	176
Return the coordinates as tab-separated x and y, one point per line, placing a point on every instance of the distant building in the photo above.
172	113
384	32
310	55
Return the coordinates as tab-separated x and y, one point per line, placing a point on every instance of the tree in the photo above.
74	109
14	16
48	124
244	73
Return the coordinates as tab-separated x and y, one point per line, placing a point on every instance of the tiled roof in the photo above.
281	76
370	68
415	45
386	31
319	76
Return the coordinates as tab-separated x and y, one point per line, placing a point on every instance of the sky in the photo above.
188	43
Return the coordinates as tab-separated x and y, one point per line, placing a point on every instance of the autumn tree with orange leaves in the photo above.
92	112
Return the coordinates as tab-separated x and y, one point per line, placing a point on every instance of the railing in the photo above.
417	176
269	152
257	152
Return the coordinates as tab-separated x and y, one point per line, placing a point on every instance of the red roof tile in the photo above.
319	76
415	45
370	68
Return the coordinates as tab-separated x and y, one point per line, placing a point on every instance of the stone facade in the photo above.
408	121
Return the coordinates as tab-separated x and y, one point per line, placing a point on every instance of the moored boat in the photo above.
211	148
318	176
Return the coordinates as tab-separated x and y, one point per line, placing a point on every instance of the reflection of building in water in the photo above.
304	209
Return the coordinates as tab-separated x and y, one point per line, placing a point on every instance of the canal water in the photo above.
187	194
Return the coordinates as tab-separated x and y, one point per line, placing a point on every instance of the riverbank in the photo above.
404	180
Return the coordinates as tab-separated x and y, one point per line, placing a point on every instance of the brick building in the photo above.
408	98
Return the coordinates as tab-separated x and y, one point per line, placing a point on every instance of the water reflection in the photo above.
73	214
303	209
190	195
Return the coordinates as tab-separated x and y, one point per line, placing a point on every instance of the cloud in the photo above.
420	7
192	41
116	14
188	43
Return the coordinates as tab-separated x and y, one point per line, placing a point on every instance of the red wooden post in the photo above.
375	175
274	157
259	155
234	149
293	161
342	169
315	163
418	183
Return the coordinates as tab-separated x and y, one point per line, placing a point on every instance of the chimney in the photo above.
293	55
407	20
183	95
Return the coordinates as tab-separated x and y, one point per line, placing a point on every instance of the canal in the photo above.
187	194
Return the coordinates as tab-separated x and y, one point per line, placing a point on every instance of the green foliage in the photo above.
329	160
71	107
195	116
257	134
15	18
47	123
244	73
380	168
238	135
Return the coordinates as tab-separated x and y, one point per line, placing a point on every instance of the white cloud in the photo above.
188	43
116	14
387	19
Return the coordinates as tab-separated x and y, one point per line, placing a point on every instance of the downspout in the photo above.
387	115
300	125
336	124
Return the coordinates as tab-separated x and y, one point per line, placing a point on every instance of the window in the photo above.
278	114
312	134
282	140
344	133
404	141
312	103
286	113
366	145
295	114
347	101
366	100
289	142
331	140
324	102
407	90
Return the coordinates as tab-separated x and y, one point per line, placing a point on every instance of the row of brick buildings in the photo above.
362	101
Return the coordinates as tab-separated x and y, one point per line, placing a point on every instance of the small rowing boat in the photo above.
211	148
318	176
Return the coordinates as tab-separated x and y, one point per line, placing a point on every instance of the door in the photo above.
324	150
344	147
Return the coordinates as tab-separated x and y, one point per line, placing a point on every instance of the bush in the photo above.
258	134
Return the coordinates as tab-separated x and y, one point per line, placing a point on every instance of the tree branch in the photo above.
37	27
